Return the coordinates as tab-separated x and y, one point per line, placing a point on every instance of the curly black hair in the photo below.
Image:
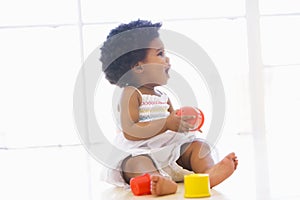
124	47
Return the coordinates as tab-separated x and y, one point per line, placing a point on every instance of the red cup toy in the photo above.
140	185
199	116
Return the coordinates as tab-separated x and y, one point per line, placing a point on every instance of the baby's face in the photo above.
156	65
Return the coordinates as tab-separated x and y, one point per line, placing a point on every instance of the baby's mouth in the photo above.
167	71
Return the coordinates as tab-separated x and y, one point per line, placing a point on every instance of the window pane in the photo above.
280	40
225	42
282	100
282	126
279	6
19	12
97	11
37	77
44	173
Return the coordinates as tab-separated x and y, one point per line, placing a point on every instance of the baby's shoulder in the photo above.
130	92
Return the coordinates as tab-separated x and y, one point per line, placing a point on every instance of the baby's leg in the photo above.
197	157
223	169
139	165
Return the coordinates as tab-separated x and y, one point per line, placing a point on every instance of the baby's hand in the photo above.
179	123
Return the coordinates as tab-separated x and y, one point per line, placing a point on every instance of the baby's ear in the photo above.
138	69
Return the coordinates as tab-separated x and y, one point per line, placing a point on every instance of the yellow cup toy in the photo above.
196	185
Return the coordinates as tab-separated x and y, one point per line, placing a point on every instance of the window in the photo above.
45	43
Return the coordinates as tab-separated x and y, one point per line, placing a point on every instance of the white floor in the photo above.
71	173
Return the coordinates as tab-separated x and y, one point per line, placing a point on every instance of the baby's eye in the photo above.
161	53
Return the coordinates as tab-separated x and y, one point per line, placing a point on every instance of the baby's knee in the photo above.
135	161
138	164
134	166
201	144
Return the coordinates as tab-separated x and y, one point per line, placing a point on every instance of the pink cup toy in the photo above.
199	116
140	185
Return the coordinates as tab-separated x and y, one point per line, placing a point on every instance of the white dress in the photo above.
164	148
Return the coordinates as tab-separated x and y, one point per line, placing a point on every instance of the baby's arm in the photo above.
135	130
176	123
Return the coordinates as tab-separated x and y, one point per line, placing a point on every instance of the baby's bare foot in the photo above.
222	170
162	186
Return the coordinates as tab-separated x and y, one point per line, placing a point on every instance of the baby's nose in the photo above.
167	66
167	60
